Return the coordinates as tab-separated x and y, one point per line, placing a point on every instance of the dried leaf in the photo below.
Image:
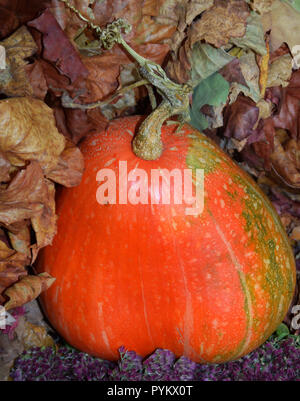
8	22
57	47
44	223
4	168
25	196
28	132
69	169
20	240
34	336
250	71
283	21
2	58
254	38
37	80
10	274
27	289
240	118
264	72
285	161
280	71
13	79
232	72
223	21
261	6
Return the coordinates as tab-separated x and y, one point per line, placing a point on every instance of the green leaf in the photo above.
294	3
254	37
206	60
282	331
212	91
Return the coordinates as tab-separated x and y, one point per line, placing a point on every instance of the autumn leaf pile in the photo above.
239	56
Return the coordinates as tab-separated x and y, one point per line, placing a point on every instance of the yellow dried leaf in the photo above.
264	70
27	289
35	336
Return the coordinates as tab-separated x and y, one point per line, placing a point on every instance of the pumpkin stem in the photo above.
147	143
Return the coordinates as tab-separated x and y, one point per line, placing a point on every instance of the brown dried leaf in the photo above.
28	132
36	77
20	240
285	161
27	289
10	273
32	335
70	167
13	79
44	223
223	21
4	168
25	196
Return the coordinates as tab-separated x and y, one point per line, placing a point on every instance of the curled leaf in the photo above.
69	168
280	71
27	289
13	79
25	196
28	132
226	19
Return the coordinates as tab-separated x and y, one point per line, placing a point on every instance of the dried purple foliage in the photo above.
274	361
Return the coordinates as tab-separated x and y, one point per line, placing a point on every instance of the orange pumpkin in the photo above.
211	287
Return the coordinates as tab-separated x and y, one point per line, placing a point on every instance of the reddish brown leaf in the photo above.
58	48
25	195
69	169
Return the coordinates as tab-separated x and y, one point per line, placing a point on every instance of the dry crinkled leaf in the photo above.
32	335
36	77
28	132
27	289
13	79
4	168
261	6
25	196
69	168
225	20
285	161
283	21
20	240
295	235
11	273
250	71
44	223
254	38
57	47
280	71
2	58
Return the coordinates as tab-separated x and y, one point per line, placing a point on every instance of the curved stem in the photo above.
147	144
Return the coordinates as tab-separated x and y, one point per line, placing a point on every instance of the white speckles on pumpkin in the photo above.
109	162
